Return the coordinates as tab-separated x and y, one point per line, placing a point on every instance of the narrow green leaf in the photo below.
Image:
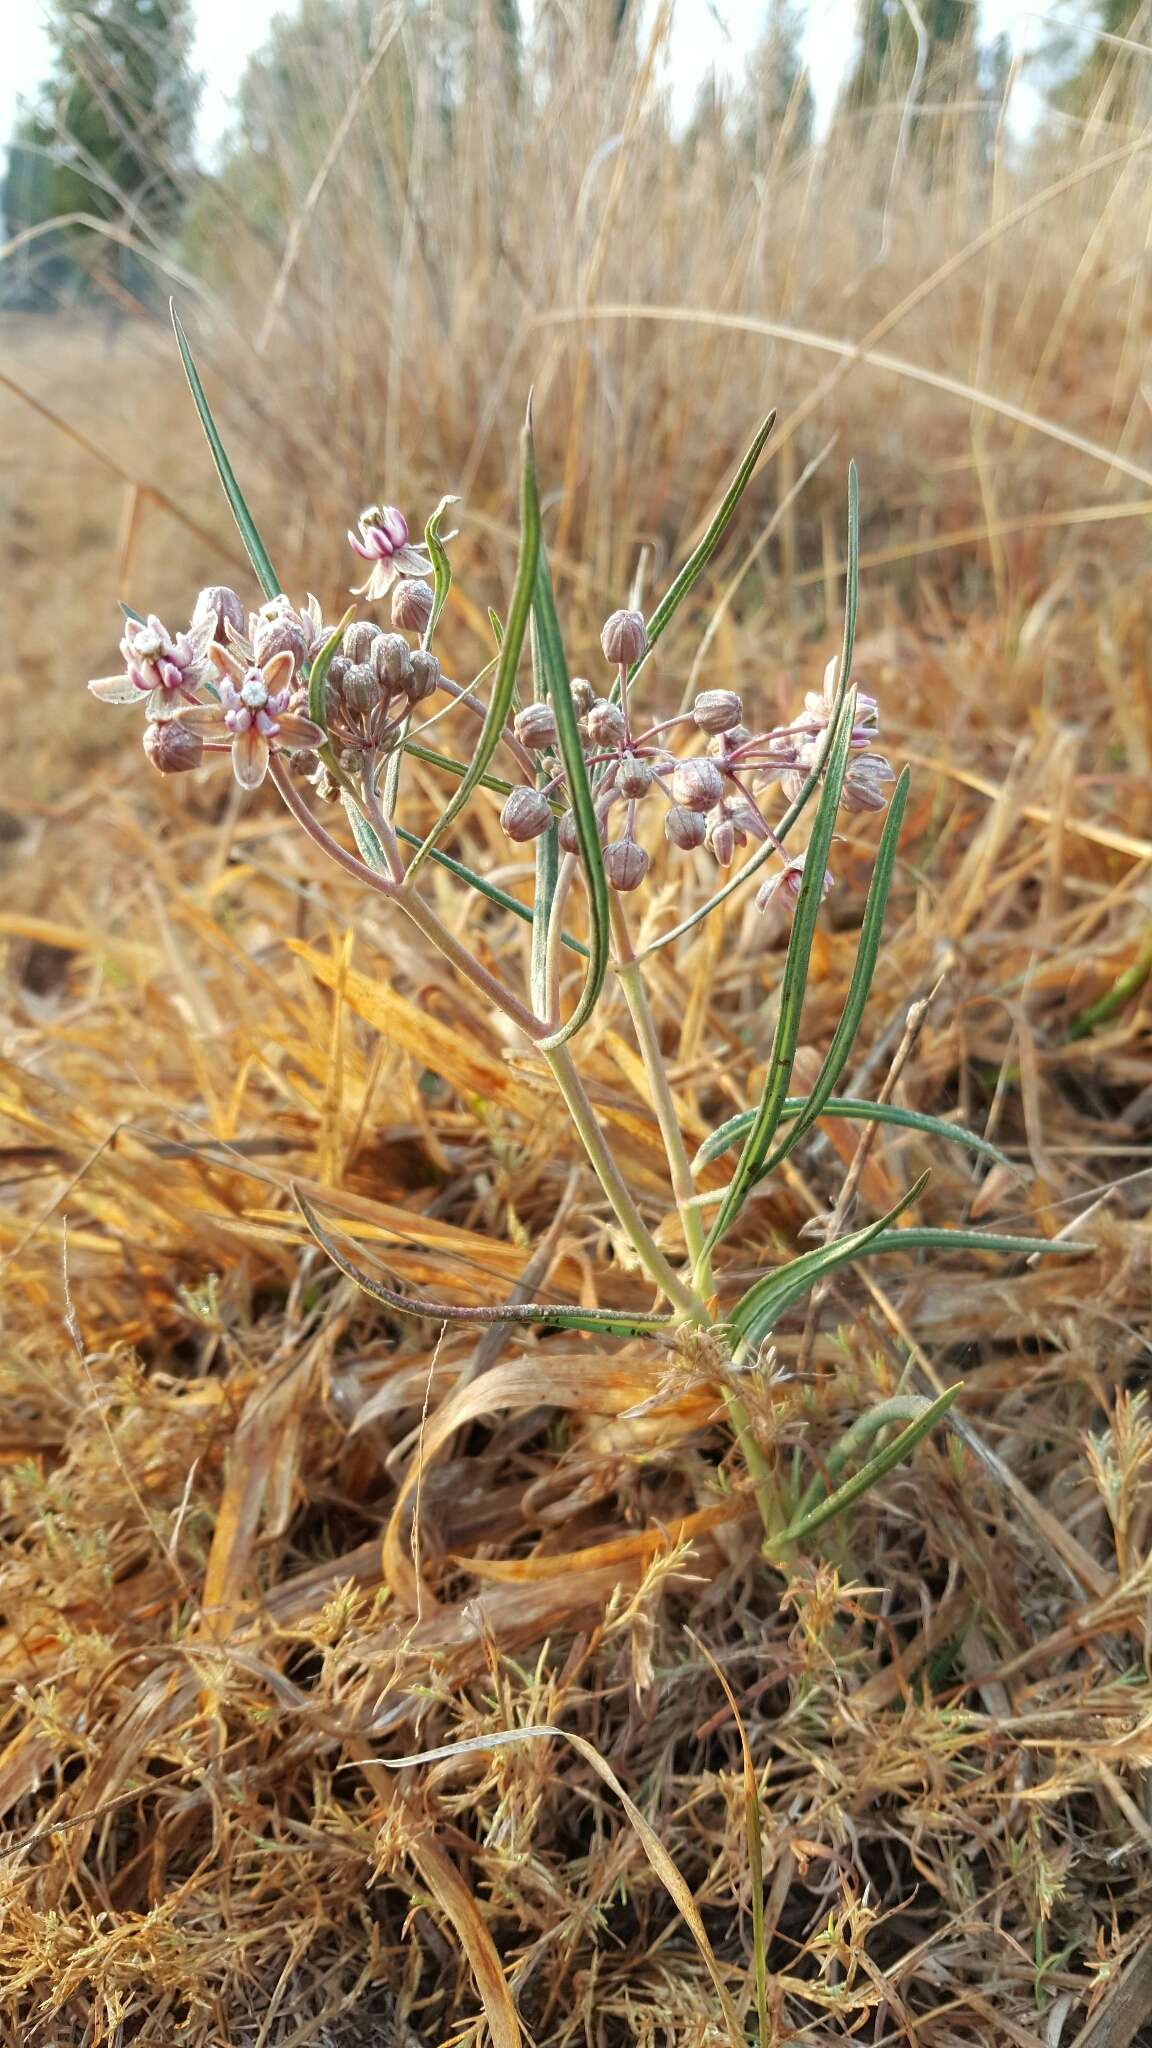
457	768
702	554
758	1312
441	567
793	982
855	1110
542	1314
864	967
367	844
547	850
812	1518
757	860
318	673
257	552
497	627
498	897
504	682
851	582
555	672
928	1240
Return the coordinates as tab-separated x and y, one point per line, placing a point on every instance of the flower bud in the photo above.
392	660
583	695
717	710
535	726
359	689
786	883
333	684
604	723
172	748
566	833
279	630
218	603
685	828
423	677
625	864
721	835
863	788
359	640
623	638
412	601
698	784
633	776
526	814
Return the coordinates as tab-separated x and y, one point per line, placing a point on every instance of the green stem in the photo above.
587	1127
759	1470
898	1408
465	963
663	1102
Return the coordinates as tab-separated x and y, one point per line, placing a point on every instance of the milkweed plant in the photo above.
329	714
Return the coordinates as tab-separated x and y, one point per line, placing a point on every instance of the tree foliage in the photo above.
109	136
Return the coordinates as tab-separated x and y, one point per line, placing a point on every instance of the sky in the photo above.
709	35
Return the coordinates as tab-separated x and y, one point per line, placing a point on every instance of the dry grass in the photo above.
259	1541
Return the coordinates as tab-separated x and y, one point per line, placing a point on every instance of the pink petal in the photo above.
412	561
115	690
366	554
278	672
205	719
297	731
250	758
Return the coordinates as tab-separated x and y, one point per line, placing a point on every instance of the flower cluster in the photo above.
712	798
240	683
237	682
371	686
224	685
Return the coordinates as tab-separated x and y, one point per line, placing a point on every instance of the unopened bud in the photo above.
279	630
786	884
567	834
360	689
526	814
634	776
717	710
698	784
423	676
604	723
685	828
625	864
392	660
359	639
221	605
535	726
412	602
721	834
583	695
172	748
722	745
863	788
623	638
333	685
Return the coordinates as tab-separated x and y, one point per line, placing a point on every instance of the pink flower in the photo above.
252	719
818	710
382	539
786	884
160	672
